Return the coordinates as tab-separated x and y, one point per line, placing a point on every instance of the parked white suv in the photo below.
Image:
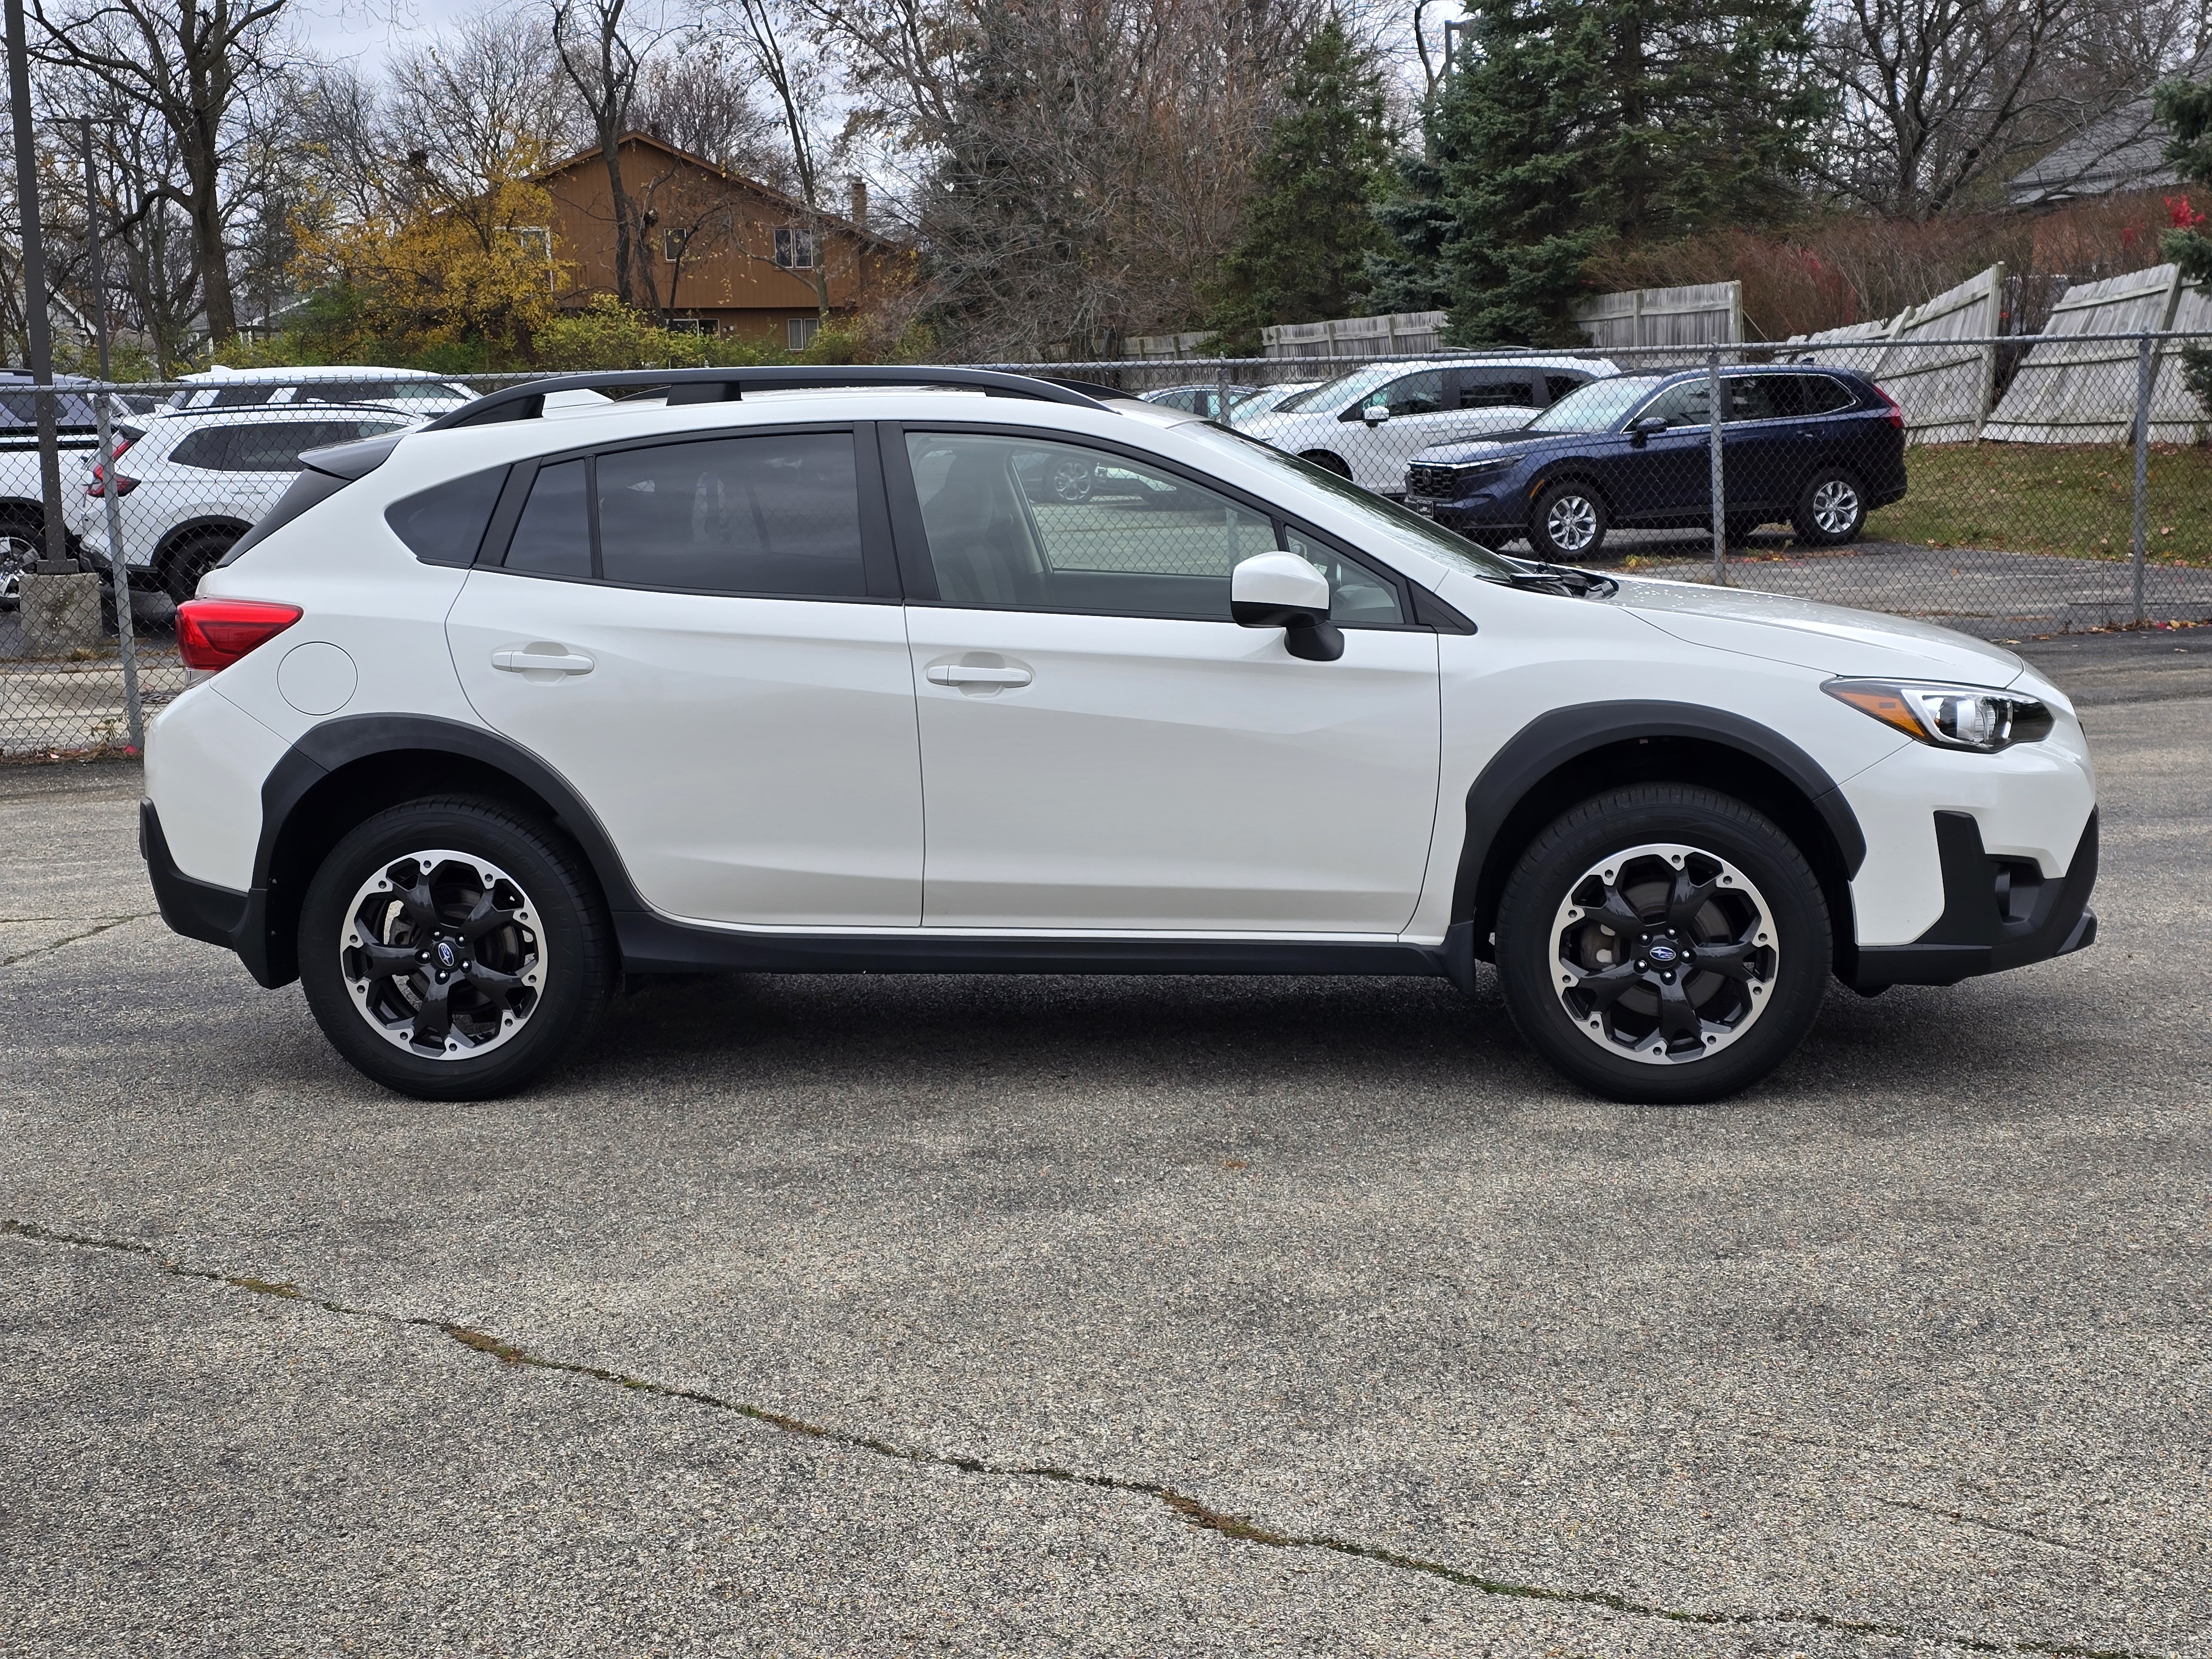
825	680
415	391
1364	424
191	483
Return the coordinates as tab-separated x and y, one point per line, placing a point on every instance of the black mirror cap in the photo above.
1248	613
1645	426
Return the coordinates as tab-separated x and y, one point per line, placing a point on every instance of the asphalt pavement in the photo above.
898	1314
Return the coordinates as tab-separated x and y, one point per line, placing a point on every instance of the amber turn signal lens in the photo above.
1884	704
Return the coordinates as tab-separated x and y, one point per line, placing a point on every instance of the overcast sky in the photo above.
370	29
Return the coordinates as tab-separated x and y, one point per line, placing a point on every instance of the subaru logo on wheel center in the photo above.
446	957
1663	953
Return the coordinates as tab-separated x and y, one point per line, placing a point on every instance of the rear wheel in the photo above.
192	558
1663	944
1832	510
1327	462
454	949
1567	524
19	552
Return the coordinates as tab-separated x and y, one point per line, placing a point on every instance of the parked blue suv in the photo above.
1819	448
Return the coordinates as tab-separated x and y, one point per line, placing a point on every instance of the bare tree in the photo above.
697	99
603	45
760	31
196	67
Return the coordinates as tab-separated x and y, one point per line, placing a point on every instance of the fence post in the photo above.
119	571
1220	383
2144	362
1713	428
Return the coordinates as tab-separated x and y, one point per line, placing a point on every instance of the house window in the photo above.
794	247
801	331
536	240
690	326
673	243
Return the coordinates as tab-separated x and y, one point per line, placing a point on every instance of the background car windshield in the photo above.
1401	525
1594	407
1332	394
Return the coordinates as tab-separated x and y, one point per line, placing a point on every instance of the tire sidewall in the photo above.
569	919
1582	838
193	560
1539	518
1809	530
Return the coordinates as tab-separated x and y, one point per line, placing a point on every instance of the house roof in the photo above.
790	204
2124	150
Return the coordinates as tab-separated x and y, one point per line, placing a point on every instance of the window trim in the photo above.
878	562
910	536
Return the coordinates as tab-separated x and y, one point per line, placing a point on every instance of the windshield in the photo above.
1385	520
1345	387
1594	405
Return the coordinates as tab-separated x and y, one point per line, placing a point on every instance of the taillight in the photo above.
213	633
124	485
1896	415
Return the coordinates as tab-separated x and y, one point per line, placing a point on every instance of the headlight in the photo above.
1478	469
1948	716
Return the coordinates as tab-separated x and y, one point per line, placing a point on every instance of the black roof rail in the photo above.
717	386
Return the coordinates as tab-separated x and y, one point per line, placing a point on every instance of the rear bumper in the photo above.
1993	919
198	909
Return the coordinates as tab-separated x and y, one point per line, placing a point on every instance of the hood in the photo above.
1511	442
1807	634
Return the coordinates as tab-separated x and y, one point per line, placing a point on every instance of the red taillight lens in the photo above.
123	486
1896	416
214	634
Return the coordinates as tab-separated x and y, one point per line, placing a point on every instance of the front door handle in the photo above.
966	674
542	656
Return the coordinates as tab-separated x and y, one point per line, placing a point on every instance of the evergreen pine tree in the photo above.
2185	111
1566	123
1308	228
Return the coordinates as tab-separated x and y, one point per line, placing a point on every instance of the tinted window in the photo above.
1021	526
1820	394
268	446
1557	386
1754	398
1494	389
446	523
554	536
778	514
20	409
1415	394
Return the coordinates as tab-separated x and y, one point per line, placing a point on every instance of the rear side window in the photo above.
268	445
446	523
1557	386
1822	394
554	536
1494	389
778	514
1754	398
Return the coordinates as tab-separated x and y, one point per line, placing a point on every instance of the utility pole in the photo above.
58	562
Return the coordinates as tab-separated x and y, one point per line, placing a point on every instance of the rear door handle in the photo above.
541	658
961	673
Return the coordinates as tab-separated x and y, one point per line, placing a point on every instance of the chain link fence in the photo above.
2007	487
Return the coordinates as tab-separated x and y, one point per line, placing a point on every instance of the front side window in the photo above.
1014	524
794	247
1687	403
1595	406
778	514
1412	394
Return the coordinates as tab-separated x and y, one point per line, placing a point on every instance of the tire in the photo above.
529	952
192	559
1832	509
1692	874
1327	462
1568	524
21	547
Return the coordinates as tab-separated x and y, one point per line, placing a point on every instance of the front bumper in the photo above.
1997	914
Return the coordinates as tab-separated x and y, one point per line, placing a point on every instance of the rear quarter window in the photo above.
446	523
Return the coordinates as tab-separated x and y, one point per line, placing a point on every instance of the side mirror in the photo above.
1281	590
1641	429
1375	414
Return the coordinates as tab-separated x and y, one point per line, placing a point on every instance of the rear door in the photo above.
703	637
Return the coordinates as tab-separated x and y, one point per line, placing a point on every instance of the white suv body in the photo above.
416	391
193	482
1365	423
825	680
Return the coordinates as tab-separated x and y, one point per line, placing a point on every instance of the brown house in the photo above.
716	254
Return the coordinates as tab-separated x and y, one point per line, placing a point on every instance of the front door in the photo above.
694	636
1668	476
1103	748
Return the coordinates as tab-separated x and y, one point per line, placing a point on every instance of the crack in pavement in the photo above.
2007	1527
1181	1505
108	924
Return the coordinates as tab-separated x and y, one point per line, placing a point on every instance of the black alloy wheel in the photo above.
1664	944
454	949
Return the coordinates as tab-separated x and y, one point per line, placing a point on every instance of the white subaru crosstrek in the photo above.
806	671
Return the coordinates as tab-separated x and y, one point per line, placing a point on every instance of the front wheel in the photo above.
1663	944
454	949
1567	524
1832	509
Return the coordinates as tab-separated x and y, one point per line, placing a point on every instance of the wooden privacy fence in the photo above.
1704	313
1944	390
2073	390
